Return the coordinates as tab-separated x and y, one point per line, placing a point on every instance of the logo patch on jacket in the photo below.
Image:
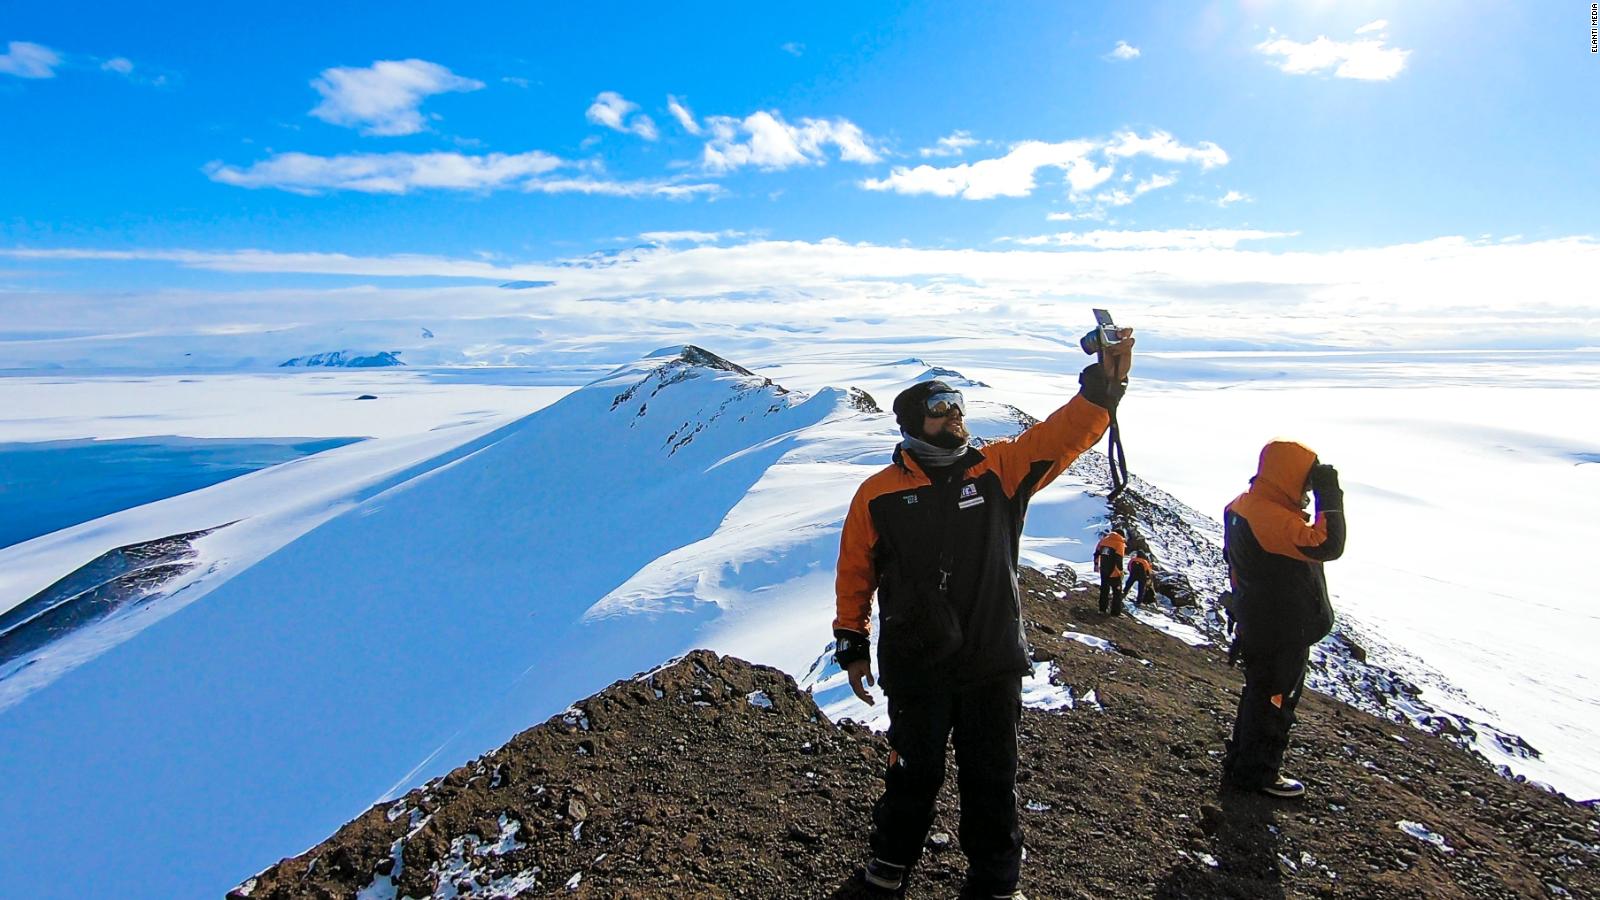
911	499
969	496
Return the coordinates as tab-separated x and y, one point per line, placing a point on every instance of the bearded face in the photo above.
948	431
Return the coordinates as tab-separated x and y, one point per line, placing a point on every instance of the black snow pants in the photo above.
1273	681
1110	584
983	719
1139	587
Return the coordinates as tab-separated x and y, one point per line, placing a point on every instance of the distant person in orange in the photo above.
1108	559
1141	579
1275	552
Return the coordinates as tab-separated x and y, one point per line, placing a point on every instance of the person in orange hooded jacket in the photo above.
1108	559
935	535
1141	579
1275	554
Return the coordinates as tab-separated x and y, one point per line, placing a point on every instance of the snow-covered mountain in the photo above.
298	670
348	359
361	620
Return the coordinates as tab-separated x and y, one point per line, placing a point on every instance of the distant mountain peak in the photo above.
950	377
699	356
931	372
346	359
680	362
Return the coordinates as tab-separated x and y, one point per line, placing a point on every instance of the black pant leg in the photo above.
919	729
986	718
1291	672
1273	682
1107	578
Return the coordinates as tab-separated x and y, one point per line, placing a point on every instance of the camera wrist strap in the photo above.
1117	460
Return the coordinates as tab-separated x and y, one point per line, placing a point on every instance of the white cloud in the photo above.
1366	60
1163	146
794	48
1083	215
385	98
1153	183
1447	292
1123	198
120	65
1374	25
614	112
667	189
692	237
953	144
403	173
683	114
1011	175
1233	197
1169	239
1123	51
388	173
26	60
1014	175
775	144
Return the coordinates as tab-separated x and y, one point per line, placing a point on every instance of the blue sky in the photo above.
1269	126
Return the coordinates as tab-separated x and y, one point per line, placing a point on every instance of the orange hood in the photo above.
1281	474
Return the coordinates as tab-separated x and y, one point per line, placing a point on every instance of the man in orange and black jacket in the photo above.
1141	579
1108	558
936	535
1280	603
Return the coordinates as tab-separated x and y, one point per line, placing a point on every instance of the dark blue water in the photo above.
51	485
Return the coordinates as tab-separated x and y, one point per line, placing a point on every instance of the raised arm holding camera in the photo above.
935	536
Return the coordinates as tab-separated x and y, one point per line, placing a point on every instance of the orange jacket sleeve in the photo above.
857	577
1050	446
1286	533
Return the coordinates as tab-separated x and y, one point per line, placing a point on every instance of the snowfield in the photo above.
508	540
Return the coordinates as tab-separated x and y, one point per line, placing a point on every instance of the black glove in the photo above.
1325	485
849	647
1098	389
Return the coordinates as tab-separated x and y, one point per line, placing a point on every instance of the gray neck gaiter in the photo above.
930	455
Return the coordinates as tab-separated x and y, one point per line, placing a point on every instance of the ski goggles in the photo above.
943	403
